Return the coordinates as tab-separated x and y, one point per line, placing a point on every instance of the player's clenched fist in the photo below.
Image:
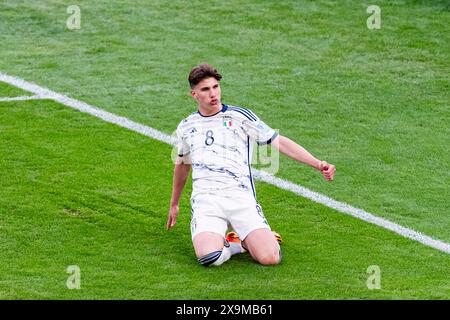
327	170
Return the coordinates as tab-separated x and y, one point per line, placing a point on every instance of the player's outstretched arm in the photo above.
180	175
293	150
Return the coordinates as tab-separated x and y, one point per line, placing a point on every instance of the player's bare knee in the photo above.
269	259
201	252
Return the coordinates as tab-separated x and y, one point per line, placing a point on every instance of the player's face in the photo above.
207	93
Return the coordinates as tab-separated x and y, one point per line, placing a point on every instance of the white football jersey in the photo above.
219	148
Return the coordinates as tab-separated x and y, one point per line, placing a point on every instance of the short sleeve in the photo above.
183	147
258	130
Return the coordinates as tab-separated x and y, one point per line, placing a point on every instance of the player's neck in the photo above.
209	110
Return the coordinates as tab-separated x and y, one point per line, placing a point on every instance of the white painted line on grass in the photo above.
23	98
258	174
84	107
354	212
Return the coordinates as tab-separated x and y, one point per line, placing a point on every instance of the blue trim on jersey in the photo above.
248	111
248	116
250	169
224	108
268	141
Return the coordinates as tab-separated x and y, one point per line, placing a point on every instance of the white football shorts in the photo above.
216	213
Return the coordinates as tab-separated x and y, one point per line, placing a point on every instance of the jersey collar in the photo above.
224	108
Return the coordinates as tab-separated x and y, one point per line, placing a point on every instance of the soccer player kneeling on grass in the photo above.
215	142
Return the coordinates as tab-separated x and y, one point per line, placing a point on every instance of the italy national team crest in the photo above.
227	121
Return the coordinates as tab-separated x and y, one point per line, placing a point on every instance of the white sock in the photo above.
235	248
226	254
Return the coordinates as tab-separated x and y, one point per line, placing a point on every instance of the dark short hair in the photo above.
201	72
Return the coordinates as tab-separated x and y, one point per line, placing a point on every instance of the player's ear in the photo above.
193	94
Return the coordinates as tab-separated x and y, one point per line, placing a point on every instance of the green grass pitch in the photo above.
75	190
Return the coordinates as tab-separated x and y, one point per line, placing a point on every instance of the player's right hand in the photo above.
173	213
327	170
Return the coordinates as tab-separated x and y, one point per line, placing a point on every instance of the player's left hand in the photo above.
327	170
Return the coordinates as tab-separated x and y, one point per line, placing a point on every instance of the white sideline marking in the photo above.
24	98
258	174
354	212
84	107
